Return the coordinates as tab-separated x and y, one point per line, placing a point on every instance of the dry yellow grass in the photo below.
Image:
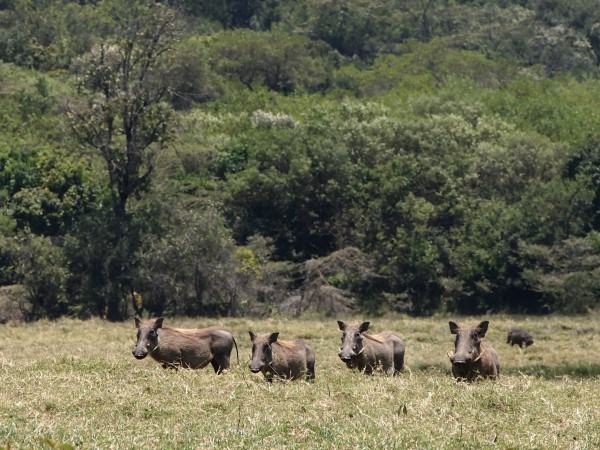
76	383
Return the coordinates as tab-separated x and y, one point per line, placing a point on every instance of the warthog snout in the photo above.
344	356
140	354
462	358
255	368
453	360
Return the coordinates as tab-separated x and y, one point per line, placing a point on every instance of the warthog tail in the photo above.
236	350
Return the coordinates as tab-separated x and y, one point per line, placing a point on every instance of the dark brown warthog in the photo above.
520	337
179	347
365	352
473	358
284	359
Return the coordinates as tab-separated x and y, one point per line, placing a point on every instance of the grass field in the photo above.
76	383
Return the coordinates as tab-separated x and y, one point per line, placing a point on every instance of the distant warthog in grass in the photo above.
473	358
365	352
520	337
179	347
284	359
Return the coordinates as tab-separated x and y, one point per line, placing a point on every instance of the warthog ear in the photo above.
137	322
482	328
252	335
273	337
158	323
453	327
364	327
342	325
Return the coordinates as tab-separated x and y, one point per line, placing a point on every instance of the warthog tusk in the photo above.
480	355
361	350
449	355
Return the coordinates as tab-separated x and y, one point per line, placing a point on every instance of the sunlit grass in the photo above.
76	383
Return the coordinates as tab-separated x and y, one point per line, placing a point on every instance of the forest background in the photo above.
255	157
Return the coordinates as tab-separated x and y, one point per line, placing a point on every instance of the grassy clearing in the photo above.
77	383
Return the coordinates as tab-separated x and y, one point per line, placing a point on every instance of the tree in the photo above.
565	274
282	62
48	34
126	121
348	30
38	265
422	13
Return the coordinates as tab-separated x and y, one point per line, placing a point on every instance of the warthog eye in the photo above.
357	335
474	335
266	347
152	334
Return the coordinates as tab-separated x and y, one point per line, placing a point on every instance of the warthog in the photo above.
365	352
520	337
473	358
179	347
284	359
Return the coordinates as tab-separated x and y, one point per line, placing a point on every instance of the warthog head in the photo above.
147	337
262	351
352	340
467	346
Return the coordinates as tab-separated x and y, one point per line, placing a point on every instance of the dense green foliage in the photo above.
245	157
